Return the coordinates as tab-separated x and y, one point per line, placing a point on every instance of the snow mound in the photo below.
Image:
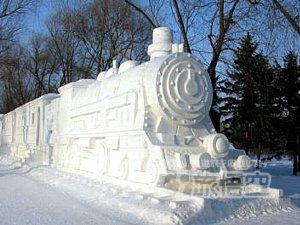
147	205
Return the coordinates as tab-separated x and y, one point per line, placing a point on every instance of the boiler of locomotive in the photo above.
183	86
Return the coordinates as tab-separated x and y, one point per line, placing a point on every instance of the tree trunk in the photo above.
295	161
288	16
259	155
182	27
295	156
257	161
215	119
297	147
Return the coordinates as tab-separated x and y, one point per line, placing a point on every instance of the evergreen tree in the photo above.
289	100
248	100
238	90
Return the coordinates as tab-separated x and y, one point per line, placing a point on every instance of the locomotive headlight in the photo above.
217	145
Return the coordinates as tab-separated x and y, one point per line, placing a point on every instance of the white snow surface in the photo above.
31	195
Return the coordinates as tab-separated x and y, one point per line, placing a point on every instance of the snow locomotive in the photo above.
144	123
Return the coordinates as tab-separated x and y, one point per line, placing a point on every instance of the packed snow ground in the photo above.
43	195
281	171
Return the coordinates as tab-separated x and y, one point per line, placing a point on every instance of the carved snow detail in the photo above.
184	92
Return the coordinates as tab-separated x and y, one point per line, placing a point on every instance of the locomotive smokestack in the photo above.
162	42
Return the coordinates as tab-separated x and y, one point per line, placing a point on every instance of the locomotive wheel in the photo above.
152	173
123	169
102	158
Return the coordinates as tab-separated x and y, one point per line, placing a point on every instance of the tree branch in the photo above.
288	16
187	47
142	12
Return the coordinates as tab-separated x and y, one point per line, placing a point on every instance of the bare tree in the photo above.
41	65
226	20
10	12
64	46
16	85
108	30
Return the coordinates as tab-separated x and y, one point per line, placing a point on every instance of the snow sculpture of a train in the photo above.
141	122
